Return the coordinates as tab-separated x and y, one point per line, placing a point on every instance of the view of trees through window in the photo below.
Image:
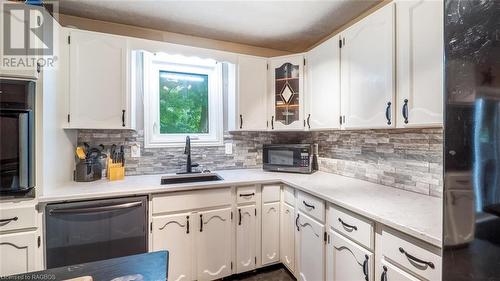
183	103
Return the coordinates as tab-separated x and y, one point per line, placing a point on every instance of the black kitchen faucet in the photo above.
187	151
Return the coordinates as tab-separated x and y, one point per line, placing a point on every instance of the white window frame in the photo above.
153	64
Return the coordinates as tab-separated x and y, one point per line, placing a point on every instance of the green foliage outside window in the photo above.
183	103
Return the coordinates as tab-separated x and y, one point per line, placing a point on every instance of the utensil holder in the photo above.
115	171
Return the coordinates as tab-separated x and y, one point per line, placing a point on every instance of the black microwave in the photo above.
294	158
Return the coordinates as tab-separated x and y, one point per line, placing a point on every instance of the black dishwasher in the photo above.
87	231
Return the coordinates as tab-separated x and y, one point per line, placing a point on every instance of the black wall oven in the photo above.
17	137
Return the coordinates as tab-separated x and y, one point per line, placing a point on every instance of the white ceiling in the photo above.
283	25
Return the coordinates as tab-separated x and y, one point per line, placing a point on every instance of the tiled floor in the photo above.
274	273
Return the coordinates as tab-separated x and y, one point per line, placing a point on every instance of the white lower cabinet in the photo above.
199	241
311	256
246	232
270	233
213	244
348	261
17	253
390	272
174	233
215	233
287	236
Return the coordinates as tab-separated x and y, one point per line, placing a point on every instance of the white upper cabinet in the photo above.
246	233
252	94
99	94
367	72
286	92
419	36
322	78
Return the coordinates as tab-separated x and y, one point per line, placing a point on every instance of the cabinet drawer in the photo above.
311	205
355	227
289	195
270	193
246	194
14	217
188	200
411	254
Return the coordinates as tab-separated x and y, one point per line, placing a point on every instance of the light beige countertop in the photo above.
414	214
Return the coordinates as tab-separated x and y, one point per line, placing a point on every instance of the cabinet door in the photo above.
311	253
348	261
246	247
270	233
419	48
252	98
17	253
213	244
367	72
98	86
287	92
323	86
389	272
287	236
174	234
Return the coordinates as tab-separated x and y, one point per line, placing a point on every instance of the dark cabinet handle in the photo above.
415	259
405	111
383	277
365	268
308	121
297	222
9	220
187	224
348	225
308	206
241	121
239	213
201	223
247	194
388	113
272	122
123	118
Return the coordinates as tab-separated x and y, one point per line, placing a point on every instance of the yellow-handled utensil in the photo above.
80	152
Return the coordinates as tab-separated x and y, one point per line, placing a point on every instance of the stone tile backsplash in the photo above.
409	159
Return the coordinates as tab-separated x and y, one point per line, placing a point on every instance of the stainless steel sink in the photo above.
188	178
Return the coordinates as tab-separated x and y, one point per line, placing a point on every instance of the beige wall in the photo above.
158	35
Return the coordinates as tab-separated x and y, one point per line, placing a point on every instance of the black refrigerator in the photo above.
471	213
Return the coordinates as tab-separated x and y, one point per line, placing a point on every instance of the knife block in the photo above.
115	171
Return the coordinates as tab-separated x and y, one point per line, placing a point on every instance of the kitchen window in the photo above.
183	97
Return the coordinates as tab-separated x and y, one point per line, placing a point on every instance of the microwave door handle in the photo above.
23	148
